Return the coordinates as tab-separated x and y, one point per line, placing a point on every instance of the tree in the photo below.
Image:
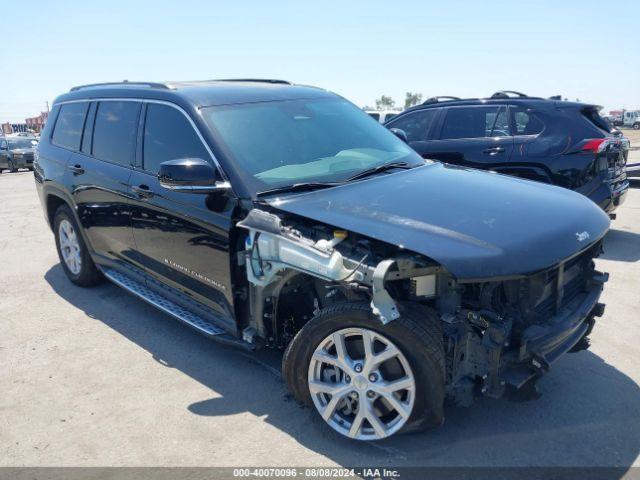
412	99
385	102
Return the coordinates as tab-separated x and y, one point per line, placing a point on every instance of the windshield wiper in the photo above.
298	187
378	169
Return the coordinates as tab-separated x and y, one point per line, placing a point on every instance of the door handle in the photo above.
76	169
494	150
143	191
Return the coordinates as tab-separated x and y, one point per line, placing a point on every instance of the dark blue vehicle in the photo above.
557	142
263	213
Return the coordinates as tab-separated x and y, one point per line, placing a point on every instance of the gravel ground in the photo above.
95	377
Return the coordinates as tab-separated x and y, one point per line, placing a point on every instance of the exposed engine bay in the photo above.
496	332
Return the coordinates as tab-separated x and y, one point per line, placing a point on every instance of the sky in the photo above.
585	50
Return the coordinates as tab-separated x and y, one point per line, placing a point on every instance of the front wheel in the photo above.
636	126
72	251
12	167
365	379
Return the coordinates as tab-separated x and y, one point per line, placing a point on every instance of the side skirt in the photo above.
206	326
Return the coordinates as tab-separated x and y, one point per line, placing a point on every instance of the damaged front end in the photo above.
496	332
507	333
330	265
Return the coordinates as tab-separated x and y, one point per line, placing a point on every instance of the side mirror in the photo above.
191	175
401	134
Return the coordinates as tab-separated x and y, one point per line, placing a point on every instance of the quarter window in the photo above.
416	124
68	129
474	122
526	122
114	135
168	135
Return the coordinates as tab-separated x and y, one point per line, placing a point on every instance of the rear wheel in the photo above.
365	379
72	251
636	126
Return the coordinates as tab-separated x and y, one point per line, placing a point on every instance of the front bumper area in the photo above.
542	345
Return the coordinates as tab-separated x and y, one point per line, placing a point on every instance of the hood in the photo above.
476	224
22	150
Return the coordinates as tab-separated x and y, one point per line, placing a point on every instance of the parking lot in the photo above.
95	377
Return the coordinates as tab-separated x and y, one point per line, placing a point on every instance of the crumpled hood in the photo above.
476	224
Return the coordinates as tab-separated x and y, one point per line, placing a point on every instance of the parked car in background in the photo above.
266	214
382	116
17	152
557	142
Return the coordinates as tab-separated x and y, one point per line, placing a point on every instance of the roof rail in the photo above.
124	83
505	94
437	99
260	80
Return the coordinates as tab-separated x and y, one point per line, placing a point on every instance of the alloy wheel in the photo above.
361	384
70	247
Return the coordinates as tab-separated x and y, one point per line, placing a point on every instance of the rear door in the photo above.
98	175
182	239
476	136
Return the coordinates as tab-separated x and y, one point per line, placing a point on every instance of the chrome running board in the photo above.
162	303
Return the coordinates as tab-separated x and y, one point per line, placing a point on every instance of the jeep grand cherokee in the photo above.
263	213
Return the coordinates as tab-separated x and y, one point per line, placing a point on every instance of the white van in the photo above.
382	115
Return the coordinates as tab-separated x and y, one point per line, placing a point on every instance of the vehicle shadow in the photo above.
588	415
621	246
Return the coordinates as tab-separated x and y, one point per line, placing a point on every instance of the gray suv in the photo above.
17	152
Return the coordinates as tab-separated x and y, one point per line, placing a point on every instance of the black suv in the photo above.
268	214
548	140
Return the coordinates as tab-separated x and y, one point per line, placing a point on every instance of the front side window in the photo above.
114	135
474	122
416	124
68	129
281	143
168	135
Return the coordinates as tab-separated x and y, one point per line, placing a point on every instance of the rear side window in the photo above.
68	129
416	124
526	123
474	122
114	134
168	135
375	115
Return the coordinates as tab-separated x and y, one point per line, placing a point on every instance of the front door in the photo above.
473	136
182	239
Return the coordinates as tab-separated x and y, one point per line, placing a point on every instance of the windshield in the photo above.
22	143
282	143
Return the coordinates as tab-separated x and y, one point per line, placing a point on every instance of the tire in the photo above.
12	167
83	272
416	334
636	126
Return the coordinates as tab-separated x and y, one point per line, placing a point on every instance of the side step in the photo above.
163	303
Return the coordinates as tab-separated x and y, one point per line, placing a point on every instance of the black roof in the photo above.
199	93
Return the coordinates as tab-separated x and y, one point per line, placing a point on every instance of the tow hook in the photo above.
540	363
